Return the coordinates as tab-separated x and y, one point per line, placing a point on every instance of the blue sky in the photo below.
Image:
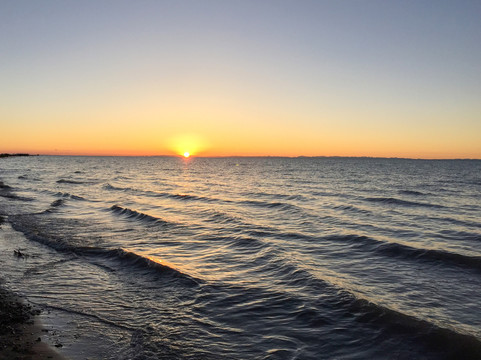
384	78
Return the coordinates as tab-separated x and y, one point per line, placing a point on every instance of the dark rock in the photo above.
20	254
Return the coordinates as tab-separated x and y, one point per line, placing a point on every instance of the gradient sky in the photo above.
348	78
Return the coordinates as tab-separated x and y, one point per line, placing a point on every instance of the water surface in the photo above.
250	258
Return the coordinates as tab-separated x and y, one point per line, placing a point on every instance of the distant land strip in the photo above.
4	155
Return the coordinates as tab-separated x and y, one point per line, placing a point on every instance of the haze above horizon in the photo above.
241	78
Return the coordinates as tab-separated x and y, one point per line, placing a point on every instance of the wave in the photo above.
219	217
57	203
269	205
391	249
352	208
108	186
6	192
238	241
46	266
4	186
266	232
402	251
275	196
96	318
320	193
394	201
70	196
9	195
132	259
460	235
458	222
26	177
339	304
183	197
67	181
473	262
447	343
412	192
137	215
127	259
62	201
187	197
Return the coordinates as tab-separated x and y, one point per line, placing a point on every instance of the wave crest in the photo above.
67	181
137	215
127	259
398	250
395	201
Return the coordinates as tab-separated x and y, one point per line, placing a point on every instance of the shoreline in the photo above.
21	331
61	337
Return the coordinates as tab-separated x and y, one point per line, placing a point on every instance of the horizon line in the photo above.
255	156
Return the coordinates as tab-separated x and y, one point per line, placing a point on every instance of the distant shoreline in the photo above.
5	155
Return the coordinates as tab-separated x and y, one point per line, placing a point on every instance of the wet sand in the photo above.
21	331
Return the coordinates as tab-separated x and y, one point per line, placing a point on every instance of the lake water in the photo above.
248	258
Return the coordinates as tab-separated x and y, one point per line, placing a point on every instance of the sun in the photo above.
186	145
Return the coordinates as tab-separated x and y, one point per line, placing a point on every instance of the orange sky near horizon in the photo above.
241	142
225	130
241	79
243	126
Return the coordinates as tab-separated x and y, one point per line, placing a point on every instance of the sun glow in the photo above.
187	145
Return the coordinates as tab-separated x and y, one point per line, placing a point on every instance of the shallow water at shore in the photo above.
266	258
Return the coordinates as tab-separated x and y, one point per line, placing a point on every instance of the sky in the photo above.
245	78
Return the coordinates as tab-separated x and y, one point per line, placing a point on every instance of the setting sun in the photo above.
186	144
